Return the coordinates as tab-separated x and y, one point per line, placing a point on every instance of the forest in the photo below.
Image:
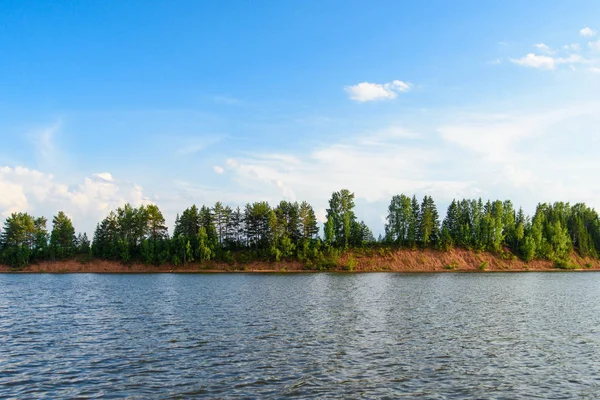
290	231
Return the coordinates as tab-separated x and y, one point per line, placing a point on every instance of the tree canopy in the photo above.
290	230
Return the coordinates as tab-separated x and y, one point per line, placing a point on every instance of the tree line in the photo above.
290	231
554	231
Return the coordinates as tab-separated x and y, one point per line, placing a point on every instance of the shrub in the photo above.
452	266
351	263
228	257
563	264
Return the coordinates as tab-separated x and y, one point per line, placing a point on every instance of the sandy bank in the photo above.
357	261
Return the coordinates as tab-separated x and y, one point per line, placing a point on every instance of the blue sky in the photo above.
106	102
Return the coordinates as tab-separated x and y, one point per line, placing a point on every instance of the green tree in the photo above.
220	221
17	239
452	225
559	241
308	221
361	235
413	226
106	238
258	228
428	223
521	222
83	244
40	240
288	220
188	256
528	248
188	222
156	234
62	239
204	251
584	229
400	220
509	223
133	228
206	219
341	206
236	228
148	251
156	228
445	242
329	231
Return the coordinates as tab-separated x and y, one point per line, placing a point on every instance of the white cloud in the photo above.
218	169
551	59
43	141
534	61
231	163
13	199
374	166
547	62
321	215
494	137
366	91
544	48
594	70
572	47
286	192
28	190
529	157
518	156
393	132
105	176
587	32
572	59
594	45
524	157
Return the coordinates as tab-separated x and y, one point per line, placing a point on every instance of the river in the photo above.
376	335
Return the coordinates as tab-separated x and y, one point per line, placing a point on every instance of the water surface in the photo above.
380	335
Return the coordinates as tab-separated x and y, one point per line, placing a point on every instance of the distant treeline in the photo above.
289	231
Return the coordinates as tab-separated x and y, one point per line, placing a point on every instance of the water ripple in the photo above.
435	336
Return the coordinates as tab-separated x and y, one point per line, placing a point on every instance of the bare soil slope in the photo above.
360	261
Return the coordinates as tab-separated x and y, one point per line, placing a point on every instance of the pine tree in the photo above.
62	239
308	221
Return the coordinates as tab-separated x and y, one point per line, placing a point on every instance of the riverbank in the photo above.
370	260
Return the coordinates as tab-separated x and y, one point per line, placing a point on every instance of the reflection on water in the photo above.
310	335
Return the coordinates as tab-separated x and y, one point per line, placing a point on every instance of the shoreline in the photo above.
364	261
293	272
